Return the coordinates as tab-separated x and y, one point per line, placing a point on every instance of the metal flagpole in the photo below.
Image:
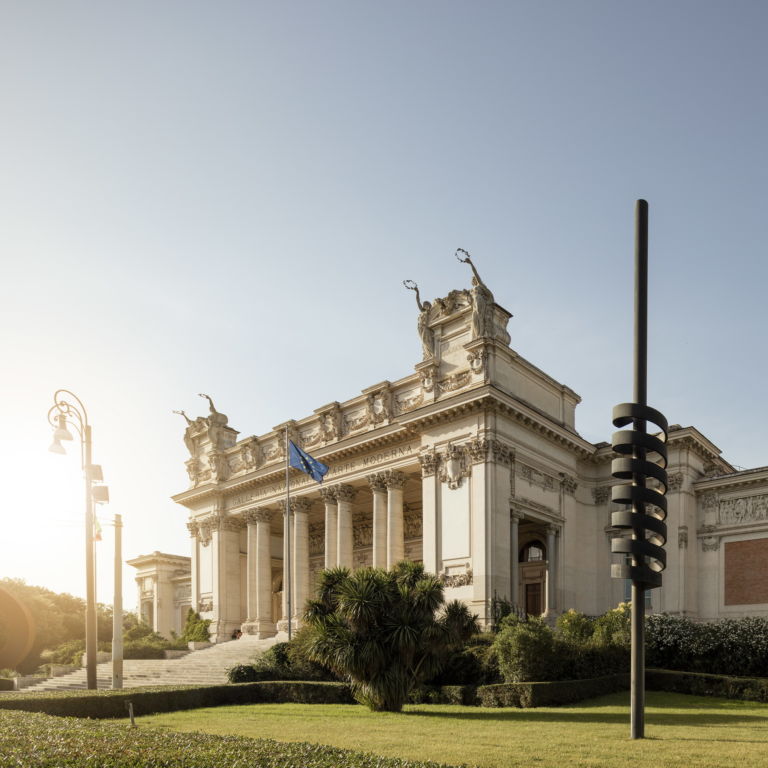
288	529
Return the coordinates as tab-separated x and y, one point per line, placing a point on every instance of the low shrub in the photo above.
727	647
109	704
38	741
698	684
547	694
6	684
526	650
282	661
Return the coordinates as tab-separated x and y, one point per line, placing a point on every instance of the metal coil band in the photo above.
643	457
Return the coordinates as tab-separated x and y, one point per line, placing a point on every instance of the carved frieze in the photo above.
412	523
601	494
752	509
362	531
316	538
409	401
454	382
356	420
537	478
458	579
205	605
362	558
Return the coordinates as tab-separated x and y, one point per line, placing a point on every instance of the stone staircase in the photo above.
204	667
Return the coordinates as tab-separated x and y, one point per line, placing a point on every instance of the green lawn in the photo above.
680	730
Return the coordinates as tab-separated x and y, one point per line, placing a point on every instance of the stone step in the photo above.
207	666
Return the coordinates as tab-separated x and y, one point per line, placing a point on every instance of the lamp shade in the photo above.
56	446
61	432
100	494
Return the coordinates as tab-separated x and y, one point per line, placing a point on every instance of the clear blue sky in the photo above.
225	197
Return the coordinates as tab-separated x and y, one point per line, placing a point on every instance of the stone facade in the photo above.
472	465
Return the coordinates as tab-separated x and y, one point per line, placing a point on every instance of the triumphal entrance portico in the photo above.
471	464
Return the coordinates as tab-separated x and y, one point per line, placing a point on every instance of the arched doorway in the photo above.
533	576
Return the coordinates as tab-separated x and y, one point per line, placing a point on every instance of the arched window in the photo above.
533	552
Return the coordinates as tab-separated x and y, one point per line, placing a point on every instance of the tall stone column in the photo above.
344	542
379	490
551	571
259	573
195	566
300	555
328	496
394	480
252	571
515	559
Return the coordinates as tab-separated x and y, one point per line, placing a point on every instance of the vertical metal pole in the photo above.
117	608
90	570
288	530
641	397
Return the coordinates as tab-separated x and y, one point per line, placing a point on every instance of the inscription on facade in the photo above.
335	471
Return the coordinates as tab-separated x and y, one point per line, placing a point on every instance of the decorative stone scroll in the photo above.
568	484
193	529
711	544
454	466
601	494
328	495
476	359
676	481
393	478
429	462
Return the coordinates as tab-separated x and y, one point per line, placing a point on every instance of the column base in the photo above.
282	625
261	629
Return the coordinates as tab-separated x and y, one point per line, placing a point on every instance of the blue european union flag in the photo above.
303	461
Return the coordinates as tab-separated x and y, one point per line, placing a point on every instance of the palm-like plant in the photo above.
384	630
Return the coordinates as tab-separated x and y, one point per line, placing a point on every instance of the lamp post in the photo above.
68	410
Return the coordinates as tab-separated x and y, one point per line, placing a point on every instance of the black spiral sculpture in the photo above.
643	457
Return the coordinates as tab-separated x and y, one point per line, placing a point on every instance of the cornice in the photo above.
745	478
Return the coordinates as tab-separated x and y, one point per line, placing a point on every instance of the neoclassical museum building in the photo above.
472	464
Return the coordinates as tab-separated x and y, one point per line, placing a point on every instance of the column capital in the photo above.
516	515
552	530
376	481
394	479
258	515
429	461
300	505
328	495
193	529
345	492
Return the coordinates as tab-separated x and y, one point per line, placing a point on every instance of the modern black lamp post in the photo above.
643	461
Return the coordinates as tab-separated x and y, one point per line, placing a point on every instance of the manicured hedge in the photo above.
699	684
107	704
6	684
39	741
550	693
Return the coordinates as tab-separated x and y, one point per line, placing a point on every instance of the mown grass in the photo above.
681	730
35	740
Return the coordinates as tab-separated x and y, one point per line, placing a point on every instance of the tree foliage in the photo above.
384	631
58	618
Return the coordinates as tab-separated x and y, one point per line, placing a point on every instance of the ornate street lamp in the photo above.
68	411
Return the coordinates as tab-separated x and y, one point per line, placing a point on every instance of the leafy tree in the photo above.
385	631
195	628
